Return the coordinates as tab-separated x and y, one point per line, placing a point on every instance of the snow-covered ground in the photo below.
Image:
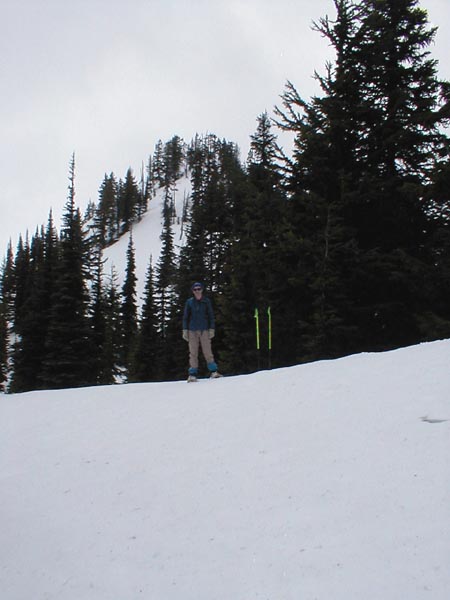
147	237
326	481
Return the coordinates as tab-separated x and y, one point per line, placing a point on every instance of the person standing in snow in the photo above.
198	330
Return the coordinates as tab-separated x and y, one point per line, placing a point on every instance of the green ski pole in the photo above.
257	337
269	318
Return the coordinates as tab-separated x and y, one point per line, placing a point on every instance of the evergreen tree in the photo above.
361	159
394	96
102	370
129	310
221	204
254	265
149	182
173	160
3	343
144	196
129	199
28	349
113	329
403	139
165	298
321	249
146	357
68	351
6	312
107	218
7	283
216	179
437	282
51	265
158	171
21	281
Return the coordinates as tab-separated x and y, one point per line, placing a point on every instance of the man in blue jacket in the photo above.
198	330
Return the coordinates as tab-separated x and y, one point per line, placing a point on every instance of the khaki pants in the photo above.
196	339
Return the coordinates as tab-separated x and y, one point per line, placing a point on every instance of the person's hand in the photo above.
212	333
185	335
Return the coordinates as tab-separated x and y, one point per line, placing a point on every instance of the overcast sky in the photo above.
107	78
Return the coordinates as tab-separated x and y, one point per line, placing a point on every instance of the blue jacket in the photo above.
198	314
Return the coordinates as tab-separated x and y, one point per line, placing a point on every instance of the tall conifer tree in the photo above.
146	357
107	218
102	370
362	157
3	343
68	348
113	322
129	198
129	309
253	265
165	297
21	281
7	282
28	349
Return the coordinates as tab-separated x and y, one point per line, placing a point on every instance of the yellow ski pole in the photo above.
257	337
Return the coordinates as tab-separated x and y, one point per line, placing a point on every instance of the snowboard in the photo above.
194	379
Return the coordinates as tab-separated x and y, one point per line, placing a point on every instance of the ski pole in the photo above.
257	336
269	318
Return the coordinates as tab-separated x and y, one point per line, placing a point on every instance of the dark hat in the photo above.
197	284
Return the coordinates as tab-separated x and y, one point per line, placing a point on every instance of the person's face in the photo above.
198	291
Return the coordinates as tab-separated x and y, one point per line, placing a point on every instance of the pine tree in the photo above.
254	263
7	283
404	104
6	312
173	160
3	343
158	172
221	202
102	370
113	329
144	196
28	348
322	249
165	298
400	121
361	157
216	179
129	310
68	350
51	265
436	283
129	199
146	356
149	182
107	218
21	281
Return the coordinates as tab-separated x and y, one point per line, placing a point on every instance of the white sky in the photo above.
107	79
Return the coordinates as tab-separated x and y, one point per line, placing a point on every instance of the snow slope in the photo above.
326	481
147	237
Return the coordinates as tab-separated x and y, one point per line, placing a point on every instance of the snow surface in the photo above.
326	481
147	237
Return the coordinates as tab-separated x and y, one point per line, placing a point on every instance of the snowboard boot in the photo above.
215	375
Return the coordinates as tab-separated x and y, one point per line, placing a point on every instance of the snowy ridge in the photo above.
147	237
326	481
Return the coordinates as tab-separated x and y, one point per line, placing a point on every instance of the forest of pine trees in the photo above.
347	240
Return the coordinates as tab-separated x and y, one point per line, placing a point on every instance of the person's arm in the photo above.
186	315
210	315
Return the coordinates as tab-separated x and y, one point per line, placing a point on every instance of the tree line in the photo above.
346	240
